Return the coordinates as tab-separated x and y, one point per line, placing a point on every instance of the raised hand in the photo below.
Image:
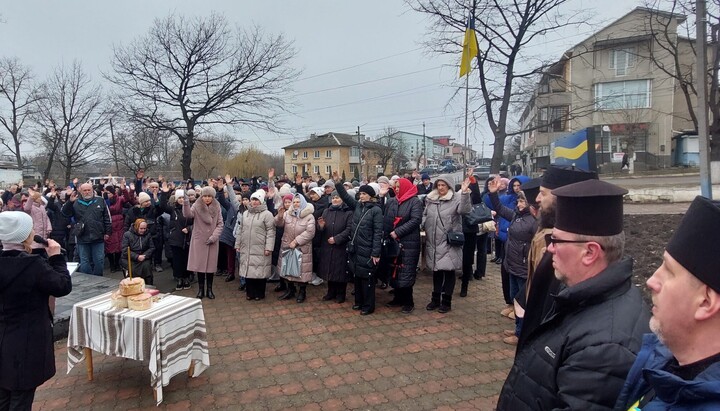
165	188
336	176
228	179
271	173
465	185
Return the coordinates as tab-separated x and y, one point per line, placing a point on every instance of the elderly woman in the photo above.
180	230
207	227
35	206
115	199
334	233
299	225
26	283
142	248
443	214
365	243
255	245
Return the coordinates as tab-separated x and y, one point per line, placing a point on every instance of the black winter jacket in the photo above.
520	234
26	332
332	264
149	214
93	215
139	245
366	233
578	358
176	237
408	231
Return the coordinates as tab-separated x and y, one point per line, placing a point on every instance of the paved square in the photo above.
275	355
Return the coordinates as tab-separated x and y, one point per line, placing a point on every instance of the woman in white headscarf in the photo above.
255	243
299	224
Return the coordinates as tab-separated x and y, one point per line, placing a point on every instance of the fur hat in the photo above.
367	189
15	226
208	191
143	197
260	195
190	192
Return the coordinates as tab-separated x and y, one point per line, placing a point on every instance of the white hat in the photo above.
260	195
312	184
143	197
284	189
317	190
375	187
15	226
352	192
329	183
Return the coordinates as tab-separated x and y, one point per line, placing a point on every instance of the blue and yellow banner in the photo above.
470	45
576	149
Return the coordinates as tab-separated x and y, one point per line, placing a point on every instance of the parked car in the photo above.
449	168
481	172
430	170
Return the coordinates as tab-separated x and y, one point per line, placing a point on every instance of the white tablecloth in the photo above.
170	335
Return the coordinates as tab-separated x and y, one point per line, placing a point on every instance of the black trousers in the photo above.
255	287
444	282
16	400
404	295
365	292
179	262
159	242
505	276
468	255
499	248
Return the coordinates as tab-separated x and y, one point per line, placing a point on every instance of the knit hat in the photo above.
425	176
15	227
329	183
383	179
260	195
347	184
694	243
143	197
312	184
352	192
317	190
288	197
208	191
355	183
190	192
367	189
284	189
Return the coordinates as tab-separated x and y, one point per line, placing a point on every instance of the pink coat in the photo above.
41	221
302	230
208	225
114	243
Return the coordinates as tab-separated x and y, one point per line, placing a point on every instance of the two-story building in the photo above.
320	155
416	147
611	83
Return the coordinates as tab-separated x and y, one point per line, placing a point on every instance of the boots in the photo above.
301	295
341	292
230	277
201	285
282	286
463	288
209	293
446	304
290	293
434	302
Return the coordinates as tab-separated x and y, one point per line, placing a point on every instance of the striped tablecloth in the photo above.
170	336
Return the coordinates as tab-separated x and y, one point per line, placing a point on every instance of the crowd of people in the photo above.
581	327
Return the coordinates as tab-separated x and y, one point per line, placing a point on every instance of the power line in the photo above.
368	81
360	64
402	93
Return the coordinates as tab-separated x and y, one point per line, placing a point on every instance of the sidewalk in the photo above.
274	355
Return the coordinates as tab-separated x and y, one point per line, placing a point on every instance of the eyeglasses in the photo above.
549	239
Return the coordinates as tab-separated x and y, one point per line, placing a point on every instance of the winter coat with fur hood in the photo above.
256	235
204	242
299	226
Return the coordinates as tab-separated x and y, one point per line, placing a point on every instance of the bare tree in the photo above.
507	30
186	74
138	148
19	97
389	147
71	118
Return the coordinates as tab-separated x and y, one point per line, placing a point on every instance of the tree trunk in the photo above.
17	153
497	156
186	159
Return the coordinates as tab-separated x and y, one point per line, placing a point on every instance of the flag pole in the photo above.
467	100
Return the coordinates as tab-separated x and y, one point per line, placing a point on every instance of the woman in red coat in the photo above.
115	198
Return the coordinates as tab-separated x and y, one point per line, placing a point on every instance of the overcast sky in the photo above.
339	43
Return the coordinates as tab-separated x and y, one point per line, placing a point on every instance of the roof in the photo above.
334	139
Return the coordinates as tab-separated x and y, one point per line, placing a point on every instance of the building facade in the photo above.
320	155
611	82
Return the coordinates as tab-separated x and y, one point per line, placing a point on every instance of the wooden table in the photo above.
171	336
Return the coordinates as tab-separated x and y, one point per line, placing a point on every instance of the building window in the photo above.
621	60
619	95
354	151
328	154
294	169
317	153
557	119
316	169
304	154
294	155
328	170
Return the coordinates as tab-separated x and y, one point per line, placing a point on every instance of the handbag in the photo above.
291	263
454	238
478	215
390	247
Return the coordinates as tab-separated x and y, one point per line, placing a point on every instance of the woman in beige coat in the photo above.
299	225
207	227
255	243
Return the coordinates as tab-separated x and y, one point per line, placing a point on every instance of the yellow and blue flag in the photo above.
577	149
470	45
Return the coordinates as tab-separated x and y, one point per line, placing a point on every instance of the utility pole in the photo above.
424	150
112	136
702	114
359	153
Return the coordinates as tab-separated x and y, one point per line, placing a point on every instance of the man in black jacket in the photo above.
94	227
579	355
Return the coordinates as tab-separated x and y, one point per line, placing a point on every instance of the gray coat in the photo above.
443	214
256	235
207	227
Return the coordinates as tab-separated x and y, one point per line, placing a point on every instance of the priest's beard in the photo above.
547	218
